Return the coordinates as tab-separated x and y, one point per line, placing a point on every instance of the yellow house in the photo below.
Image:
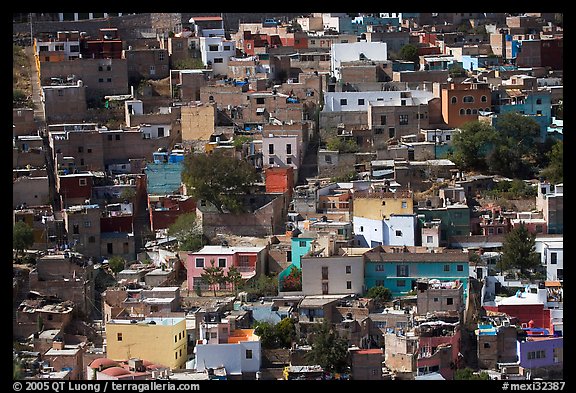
380	205
198	121
160	340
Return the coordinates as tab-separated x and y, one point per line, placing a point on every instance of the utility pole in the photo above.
31	33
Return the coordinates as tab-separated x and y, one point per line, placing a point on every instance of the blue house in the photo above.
300	246
399	271
535	104
164	175
474	62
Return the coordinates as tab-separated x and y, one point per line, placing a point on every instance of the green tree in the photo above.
456	71
263	286
22	238
507	161
116	264
518	250
329	350
218	179
267	333
554	172
213	275
380	295
521	132
467	374
234	277
188	232
286	332
472	145
188	64
409	52
128	194
342	145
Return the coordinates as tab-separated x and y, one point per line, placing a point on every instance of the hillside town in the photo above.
226	196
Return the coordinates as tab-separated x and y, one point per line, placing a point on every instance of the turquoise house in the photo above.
536	105
454	220
300	246
399	271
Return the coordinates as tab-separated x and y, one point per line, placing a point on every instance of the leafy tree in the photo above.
341	145
329	350
380	295
469	374
128	194
188	232
409	52
266	332
472	145
521	132
518	250
263	286
22	237
456	71
218	179
554	172
286	332
293	281
507	161
116	264
188	64
234	277
213	275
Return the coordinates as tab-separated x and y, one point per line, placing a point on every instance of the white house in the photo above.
333	275
282	150
352	101
396	230
339	53
216	51
551	250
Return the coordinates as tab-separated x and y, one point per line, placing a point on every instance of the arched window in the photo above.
462	112
483	99
474	111
468	99
468	111
487	109
454	100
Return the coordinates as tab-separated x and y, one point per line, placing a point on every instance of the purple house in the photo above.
538	352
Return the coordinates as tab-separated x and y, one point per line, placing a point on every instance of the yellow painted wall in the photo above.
374	208
158	343
197	122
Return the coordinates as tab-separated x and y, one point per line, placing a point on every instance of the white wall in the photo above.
376	51
231	356
546	246
332	100
337	275
224	54
367	230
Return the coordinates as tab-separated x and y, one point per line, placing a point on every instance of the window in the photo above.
60	93
553	258
391	132
486	345
87	224
448	137
199	262
270	148
80	149
348	284
271	161
119	336
462	112
539	113
343	101
379	283
454	100
213	48
108	68
383	120
82	182
226	47
446	268
449	301
76	229
110	248
117	137
361	229
436	299
403	119
402	270
379	267
404	205
218	60
468	111
360	101
469	99
474	111
400	283
91	239
221	262
89	150
324	272
429	239
248	354
539	101
161	56
460	268
483	99
328	159
109	137
160	132
302	243
288	160
399	233
213	335
289	148
100	68
259	100
348	269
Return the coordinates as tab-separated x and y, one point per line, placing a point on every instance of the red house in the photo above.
74	189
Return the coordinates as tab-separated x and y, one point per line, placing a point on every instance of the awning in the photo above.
552	284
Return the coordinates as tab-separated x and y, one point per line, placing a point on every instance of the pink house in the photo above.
248	261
